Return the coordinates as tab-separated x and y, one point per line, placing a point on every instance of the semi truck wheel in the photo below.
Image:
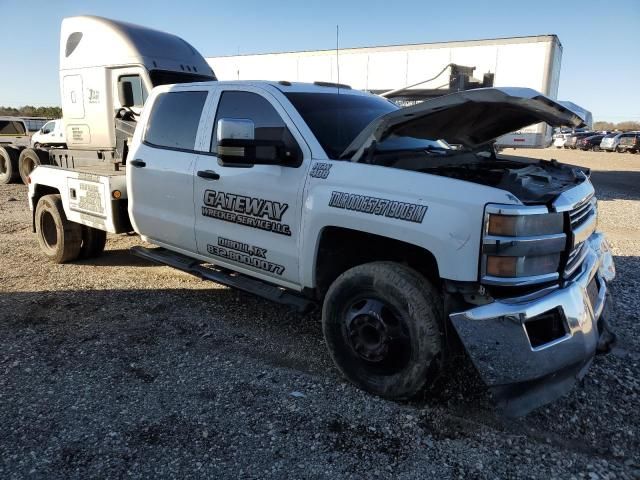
93	242
381	322
59	239
8	165
29	160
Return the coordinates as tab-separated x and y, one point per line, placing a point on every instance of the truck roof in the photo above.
83	40
12	119
289	87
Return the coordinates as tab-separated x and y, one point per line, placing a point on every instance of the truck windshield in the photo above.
336	119
165	77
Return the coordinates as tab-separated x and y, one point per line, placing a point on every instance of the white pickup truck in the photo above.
316	194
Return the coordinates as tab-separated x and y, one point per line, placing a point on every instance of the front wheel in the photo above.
381	322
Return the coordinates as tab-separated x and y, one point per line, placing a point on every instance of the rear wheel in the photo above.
381	322
59	238
8	165
93	242
29	160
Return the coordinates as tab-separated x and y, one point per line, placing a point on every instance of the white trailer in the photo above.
532	62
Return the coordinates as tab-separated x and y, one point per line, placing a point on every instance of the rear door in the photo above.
160	168
249	217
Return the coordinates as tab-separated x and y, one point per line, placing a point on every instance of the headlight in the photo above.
521	245
522	266
525	225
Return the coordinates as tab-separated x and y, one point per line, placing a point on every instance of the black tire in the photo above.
93	242
8	165
29	160
59	238
390	345
596	148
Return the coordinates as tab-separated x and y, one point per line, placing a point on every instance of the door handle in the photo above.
138	163
208	174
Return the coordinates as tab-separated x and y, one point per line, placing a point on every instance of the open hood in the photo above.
470	118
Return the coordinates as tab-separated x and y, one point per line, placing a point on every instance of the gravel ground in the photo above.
119	368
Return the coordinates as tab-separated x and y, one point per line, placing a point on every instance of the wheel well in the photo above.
39	192
341	249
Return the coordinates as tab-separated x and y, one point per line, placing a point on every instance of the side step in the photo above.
235	280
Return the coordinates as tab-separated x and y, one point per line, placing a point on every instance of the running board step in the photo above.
235	280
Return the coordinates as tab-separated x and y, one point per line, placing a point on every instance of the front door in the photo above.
249	217
160	170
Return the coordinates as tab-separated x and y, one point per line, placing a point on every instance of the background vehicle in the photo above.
35	123
50	135
610	142
560	139
630	143
572	139
590	143
13	131
14	137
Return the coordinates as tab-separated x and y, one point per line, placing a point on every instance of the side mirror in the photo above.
237	145
125	94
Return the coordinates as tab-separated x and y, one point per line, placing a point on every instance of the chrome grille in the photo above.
582	223
581	213
576	257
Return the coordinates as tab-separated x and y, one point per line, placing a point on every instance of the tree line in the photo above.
623	126
31	111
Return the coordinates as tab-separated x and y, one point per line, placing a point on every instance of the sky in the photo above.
601	40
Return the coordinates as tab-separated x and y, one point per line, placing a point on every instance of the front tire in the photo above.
59	238
381	322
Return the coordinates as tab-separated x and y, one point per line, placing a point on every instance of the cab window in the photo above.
9	127
49	127
174	120
139	91
269	125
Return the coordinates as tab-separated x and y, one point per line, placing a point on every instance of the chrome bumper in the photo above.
495	335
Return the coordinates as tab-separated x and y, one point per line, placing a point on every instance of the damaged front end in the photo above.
548	271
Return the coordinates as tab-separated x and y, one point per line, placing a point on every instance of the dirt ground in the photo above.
115	367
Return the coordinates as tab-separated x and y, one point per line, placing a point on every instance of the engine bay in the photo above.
532	181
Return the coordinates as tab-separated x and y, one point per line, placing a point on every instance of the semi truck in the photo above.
138	59
316	195
417	72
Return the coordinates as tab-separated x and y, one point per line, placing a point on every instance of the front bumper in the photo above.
522	376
